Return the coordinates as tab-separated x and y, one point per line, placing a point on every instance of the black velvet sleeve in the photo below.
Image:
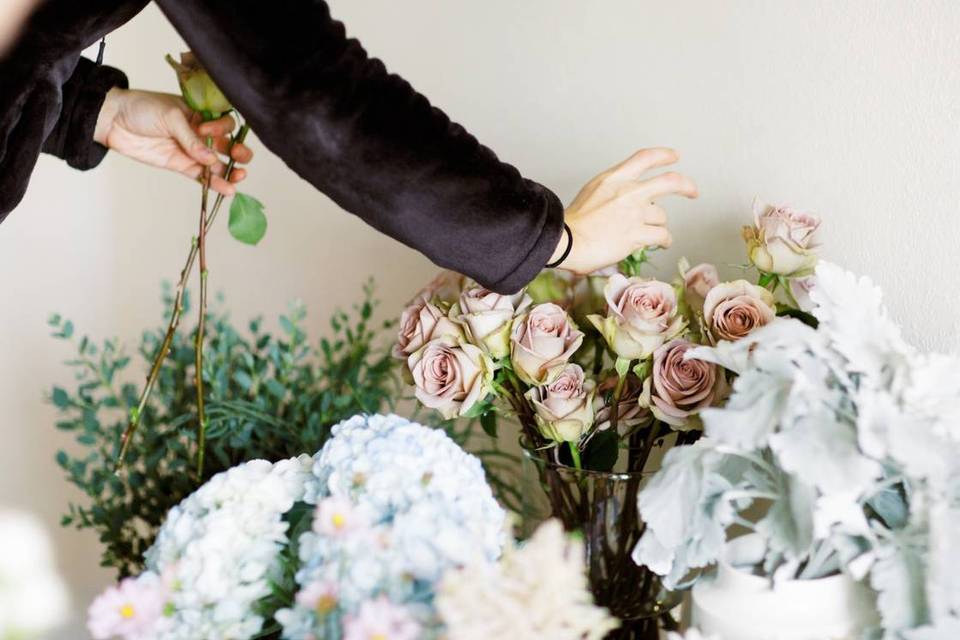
49	99
83	96
370	142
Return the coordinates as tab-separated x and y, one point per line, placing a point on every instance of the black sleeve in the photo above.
83	96
370	142
49	98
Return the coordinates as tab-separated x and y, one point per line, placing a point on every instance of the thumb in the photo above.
185	136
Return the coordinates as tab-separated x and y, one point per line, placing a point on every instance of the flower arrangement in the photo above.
353	543
849	439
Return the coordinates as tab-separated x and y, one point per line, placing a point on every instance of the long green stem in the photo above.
575	454
202	321
136	413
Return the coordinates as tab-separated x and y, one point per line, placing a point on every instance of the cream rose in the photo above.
451	377
679	388
697	282
564	408
782	240
542	341
420	323
487	318
642	316
733	310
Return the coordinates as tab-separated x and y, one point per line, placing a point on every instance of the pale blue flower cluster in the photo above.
399	504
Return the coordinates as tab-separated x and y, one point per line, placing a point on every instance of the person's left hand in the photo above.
159	129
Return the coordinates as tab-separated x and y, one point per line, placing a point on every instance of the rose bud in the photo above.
199	90
642	316
420	323
697	282
542	341
782	240
564	408
679	388
733	310
487	318
445	287
451	377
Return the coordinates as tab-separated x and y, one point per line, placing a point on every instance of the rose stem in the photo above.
575	453
137	413
201	322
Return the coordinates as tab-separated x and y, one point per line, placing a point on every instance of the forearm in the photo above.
369	141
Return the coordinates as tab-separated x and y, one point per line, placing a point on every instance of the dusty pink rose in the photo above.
697	282
733	310
487	318
679	388
420	323
542	342
451	377
642	316
630	415
782	240
564	408
445	287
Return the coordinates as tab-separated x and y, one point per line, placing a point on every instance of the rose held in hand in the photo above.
733	310
542	342
679	388
642	316
451	377
564	408
487	318
782	240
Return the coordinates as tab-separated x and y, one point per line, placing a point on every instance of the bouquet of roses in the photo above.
592	366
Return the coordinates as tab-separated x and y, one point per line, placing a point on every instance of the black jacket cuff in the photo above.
83	96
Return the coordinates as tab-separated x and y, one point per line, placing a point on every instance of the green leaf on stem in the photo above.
248	224
602	451
488	421
622	365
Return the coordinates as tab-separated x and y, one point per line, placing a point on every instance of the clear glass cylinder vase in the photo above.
602	506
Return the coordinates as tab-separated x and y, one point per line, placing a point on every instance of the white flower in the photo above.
219	548
537	591
33	598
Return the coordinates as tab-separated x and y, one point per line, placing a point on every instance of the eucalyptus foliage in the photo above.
270	395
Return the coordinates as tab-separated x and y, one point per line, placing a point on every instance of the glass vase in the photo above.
602	506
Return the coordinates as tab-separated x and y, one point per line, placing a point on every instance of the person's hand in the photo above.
615	214
159	129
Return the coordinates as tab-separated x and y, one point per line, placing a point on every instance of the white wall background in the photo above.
850	109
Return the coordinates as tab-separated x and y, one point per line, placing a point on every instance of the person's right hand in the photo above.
159	129
615	214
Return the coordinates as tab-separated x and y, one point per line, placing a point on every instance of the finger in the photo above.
644	160
241	153
654	215
238	175
221	186
657	237
186	137
669	184
217	128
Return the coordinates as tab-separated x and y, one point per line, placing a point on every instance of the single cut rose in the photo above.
420	323
782	240
564	408
733	310
642	316
487	318
451	377
542	342
679	388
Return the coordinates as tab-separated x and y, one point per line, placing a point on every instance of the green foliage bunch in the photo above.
269	396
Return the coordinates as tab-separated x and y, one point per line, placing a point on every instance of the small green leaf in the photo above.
622	365
489	423
60	398
248	224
